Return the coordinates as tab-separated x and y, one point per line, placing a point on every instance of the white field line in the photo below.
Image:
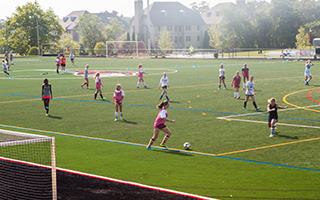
260	113
261	122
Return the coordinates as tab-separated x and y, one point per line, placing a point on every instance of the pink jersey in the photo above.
98	83
140	73
159	122
245	72
236	81
118	95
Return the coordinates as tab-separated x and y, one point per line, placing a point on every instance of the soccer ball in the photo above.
186	145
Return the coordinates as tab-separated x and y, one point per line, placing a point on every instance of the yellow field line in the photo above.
270	146
284	99
19	100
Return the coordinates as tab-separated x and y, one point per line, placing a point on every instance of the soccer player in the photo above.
4	67
72	58
58	63
245	73
164	83
98	86
140	76
7	61
46	94
118	97
250	93
236	80
63	64
273	114
159	125
11	58
86	73
307	72
222	77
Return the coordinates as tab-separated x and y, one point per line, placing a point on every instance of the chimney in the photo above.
138	16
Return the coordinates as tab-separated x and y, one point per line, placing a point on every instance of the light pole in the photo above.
37	23
234	42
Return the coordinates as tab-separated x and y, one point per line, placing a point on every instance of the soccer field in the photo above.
231	154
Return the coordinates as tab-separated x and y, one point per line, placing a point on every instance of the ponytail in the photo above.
162	104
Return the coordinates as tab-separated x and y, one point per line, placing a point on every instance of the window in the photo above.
169	28
188	38
176	39
198	28
198	38
180	39
188	28
180	28
217	13
209	14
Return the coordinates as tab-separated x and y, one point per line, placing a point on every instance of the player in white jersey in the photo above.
4	67
250	93
222	77
164	83
86	73
72	58
307	72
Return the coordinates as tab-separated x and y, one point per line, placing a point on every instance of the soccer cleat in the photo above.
271	135
145	86
81	86
47	115
238	97
149	148
121	118
103	99
137	86
258	108
307	83
94	98
115	119
163	145
245	109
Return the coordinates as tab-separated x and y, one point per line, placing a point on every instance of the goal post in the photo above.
125	49
27	166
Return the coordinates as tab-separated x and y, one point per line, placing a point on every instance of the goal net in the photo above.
27	166
126	49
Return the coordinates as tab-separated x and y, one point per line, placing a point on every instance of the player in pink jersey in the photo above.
236	80
140	76
118	97
245	73
159	125
98	86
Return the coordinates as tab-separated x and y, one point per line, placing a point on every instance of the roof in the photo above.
214	14
106	17
173	13
70	21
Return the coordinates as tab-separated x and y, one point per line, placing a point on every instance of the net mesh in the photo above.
25	166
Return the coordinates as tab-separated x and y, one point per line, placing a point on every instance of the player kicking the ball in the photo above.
159	125
273	114
118	97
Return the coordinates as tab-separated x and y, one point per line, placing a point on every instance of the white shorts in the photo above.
307	74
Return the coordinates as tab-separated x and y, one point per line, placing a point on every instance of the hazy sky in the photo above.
64	7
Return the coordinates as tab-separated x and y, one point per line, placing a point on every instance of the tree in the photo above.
25	23
91	30
165	41
66	42
100	49
133	36
114	29
302	38
200	7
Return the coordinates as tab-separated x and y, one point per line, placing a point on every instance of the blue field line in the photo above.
141	145
171	108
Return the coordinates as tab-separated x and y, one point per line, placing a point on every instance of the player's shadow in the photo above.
129	122
55	117
174	102
288	137
173	152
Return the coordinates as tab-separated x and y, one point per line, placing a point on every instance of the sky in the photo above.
63	7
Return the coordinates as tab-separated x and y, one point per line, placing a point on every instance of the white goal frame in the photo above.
32	138
134	42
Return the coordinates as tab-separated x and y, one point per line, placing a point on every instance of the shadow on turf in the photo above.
287	137
172	151
55	117
129	122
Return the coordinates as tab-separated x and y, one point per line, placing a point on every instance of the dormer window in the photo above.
164	13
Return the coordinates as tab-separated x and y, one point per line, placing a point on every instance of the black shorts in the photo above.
161	126
222	77
271	118
164	87
63	65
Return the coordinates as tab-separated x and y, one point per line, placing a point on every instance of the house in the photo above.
214	16
70	22
185	26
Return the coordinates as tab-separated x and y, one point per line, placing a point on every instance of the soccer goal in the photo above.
27	166
126	49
